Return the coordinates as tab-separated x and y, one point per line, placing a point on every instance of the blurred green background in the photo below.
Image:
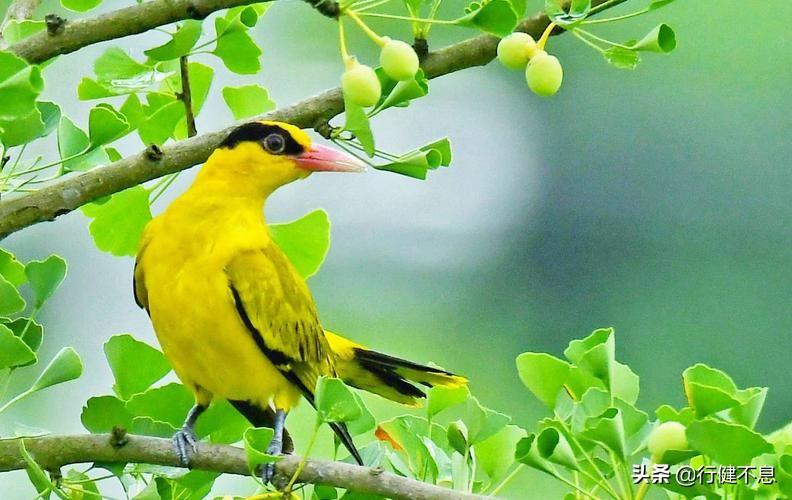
655	201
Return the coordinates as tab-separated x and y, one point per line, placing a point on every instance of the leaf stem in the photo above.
365	28
616	18
587	41
603	40
407	18
342	41
506	480
543	39
573	485
304	460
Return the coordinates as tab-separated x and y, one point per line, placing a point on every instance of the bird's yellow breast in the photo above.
182	264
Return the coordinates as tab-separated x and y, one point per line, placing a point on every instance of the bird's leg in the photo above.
276	445
185	440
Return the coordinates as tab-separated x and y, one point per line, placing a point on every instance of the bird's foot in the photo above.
275	448
185	443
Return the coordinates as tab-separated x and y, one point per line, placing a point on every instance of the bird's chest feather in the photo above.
194	314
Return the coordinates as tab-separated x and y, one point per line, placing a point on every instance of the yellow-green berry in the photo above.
398	59
360	84
516	49
544	74
666	436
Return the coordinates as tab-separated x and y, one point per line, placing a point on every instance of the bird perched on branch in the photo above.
230	311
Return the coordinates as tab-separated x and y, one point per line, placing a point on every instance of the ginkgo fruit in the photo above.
544	74
398	59
516	49
666	436
360	83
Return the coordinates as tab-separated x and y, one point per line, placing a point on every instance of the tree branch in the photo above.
66	195
128	21
53	452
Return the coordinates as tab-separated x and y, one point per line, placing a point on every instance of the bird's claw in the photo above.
185	443
268	471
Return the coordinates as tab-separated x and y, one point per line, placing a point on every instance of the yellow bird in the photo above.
230	311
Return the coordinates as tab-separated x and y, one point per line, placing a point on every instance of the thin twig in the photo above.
186	96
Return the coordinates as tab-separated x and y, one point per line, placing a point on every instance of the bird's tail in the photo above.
387	376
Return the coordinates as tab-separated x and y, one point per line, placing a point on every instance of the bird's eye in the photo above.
274	143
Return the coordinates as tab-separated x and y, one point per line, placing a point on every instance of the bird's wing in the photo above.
275	305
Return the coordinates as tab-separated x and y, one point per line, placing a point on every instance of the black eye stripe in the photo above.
257	132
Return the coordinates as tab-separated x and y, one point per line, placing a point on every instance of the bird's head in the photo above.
262	156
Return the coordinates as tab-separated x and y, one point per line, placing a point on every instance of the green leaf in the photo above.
65	366
305	241
544	375
496	17
180	43
80	5
365	422
666	413
661	39
625	383
26	329
622	58
595	354
72	141
726	443
608	430
15	30
443	148
148	426
554	447
44	277
10	300
482	422
709	390
168	403
222	423
578	10
41	122
751	403
88	485
400	93
457	435
102	413
115	64
105	125
160	126
20	85
357	123
527	453
13	350
37	476
247	100
238	52
256	441
135	364
495	454
335	401
440	398
11	269
118	222
656	4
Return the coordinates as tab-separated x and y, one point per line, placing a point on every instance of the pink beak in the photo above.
323	159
